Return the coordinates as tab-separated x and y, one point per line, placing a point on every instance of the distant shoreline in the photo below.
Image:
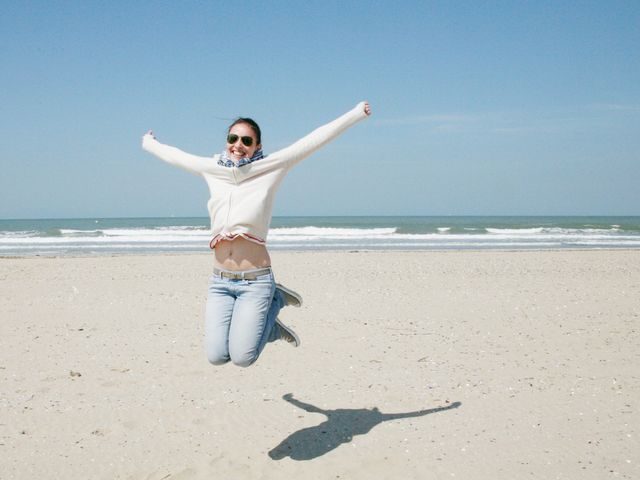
106	236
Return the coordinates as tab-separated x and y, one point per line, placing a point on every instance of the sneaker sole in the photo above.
292	298
293	338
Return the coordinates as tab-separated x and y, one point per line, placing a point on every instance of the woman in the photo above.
243	300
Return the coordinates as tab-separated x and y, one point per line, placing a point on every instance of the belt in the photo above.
245	275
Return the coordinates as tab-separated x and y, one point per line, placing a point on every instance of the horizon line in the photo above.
332	216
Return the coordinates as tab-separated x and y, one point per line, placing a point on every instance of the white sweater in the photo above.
242	198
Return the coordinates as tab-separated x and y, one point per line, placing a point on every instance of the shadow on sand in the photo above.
340	427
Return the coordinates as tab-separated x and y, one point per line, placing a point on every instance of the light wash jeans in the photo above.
240	318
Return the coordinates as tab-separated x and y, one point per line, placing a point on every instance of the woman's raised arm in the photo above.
175	156
322	135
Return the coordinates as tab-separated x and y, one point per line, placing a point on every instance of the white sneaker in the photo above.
290	297
287	334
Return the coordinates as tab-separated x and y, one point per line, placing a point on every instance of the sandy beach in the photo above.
465	364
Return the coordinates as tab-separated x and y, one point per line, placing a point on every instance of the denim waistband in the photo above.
243	274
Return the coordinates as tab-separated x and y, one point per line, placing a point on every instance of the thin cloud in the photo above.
511	123
447	118
614	107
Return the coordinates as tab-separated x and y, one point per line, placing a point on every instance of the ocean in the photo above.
96	236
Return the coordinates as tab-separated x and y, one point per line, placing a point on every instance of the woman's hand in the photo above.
367	108
148	135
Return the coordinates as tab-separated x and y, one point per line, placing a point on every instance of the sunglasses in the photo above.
233	138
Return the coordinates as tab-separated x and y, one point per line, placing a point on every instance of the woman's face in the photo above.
238	149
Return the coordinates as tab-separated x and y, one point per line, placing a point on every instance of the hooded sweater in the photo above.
242	198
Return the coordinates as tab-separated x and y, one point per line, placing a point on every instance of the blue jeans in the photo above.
239	318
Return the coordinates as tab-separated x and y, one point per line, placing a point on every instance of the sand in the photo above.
479	365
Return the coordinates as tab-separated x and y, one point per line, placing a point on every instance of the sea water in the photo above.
91	236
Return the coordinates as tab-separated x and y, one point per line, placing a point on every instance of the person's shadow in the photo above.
340	427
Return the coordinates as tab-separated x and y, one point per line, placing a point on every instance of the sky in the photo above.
479	108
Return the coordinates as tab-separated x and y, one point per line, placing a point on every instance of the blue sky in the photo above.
480	108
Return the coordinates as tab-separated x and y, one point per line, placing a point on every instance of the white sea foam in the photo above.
18	234
71	231
332	232
166	235
515	231
196	238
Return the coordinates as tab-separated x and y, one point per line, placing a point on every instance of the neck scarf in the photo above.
227	161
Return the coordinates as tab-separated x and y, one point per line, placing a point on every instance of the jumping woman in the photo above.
243	298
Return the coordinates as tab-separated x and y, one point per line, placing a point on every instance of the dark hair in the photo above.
252	124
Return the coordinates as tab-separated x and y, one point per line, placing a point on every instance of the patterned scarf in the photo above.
226	161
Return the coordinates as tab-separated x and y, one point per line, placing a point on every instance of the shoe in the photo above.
290	297
287	334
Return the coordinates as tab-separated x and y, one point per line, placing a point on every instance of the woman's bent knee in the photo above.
217	359
244	360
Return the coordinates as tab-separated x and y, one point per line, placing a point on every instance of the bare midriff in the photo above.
240	254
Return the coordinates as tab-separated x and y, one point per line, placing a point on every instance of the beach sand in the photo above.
468	364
